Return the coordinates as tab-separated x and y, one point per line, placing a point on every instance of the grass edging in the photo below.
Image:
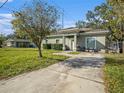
114	73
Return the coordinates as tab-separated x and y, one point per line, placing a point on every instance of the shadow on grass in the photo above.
58	59
114	61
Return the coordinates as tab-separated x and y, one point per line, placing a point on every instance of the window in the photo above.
57	41
91	42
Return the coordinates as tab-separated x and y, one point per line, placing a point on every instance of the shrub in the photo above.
56	46
46	46
53	46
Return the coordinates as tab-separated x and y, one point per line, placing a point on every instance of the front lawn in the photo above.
14	61
114	73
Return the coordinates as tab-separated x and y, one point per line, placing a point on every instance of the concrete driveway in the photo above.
79	74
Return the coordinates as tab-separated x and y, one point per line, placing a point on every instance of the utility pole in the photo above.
61	12
62	18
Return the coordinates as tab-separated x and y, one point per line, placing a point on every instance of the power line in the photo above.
3	3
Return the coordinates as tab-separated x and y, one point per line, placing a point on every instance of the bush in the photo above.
53	46
46	46
56	46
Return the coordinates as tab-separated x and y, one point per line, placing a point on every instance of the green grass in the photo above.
114	73
74	53
14	61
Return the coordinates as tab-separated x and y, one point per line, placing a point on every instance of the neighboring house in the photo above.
78	39
18	43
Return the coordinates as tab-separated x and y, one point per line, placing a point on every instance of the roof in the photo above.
76	30
17	40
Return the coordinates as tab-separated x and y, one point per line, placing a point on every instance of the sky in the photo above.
74	10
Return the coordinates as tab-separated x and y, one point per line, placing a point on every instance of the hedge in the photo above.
53	46
46	46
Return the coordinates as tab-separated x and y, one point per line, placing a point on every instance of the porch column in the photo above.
15	44
63	42
75	42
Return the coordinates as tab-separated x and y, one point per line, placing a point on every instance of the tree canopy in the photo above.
37	20
2	39
108	16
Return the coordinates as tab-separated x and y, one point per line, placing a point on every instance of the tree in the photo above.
2	39
95	19
91	18
10	36
118	8
109	16
21	35
81	24
37	20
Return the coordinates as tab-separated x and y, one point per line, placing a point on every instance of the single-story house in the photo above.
78	39
18	43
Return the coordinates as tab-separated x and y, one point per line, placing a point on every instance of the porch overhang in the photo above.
61	35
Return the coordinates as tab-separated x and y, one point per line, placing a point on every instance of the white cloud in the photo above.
6	31
67	23
5	23
5	19
2	1
6	15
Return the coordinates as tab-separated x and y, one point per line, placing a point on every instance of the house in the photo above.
18	43
78	39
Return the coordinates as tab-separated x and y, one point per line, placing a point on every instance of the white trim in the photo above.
86	41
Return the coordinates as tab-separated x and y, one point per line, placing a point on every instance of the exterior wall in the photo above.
22	44
72	42
81	41
100	41
52	40
68	43
18	44
8	44
123	47
11	44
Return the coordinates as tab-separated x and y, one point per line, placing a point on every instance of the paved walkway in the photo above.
80	74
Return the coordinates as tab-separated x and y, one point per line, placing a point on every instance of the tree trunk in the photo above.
121	41
40	53
106	46
121	47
